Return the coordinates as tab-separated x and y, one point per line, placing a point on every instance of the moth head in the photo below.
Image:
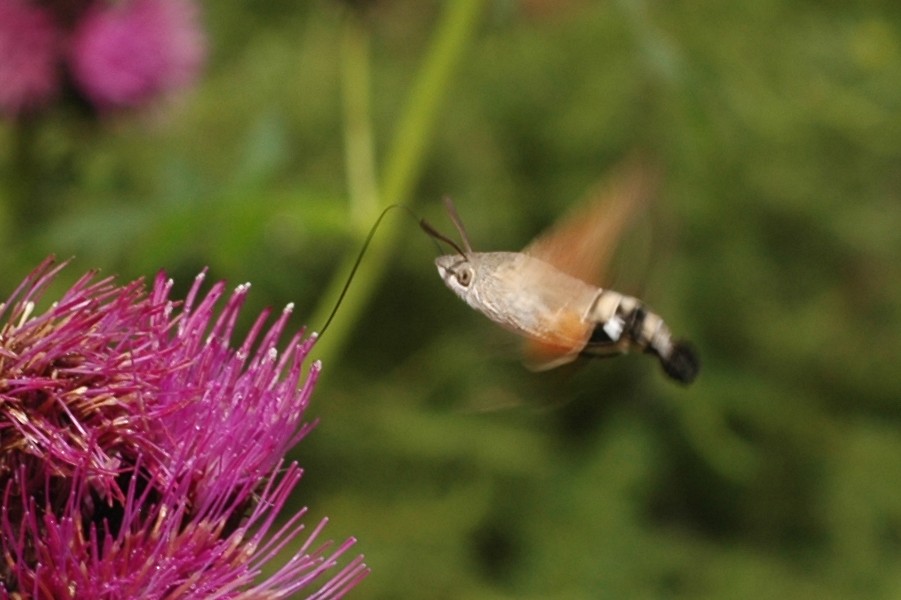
457	270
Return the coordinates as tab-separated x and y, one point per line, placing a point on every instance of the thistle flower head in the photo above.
127	52
29	45
141	455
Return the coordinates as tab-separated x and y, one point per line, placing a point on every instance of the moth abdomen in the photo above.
624	323
681	363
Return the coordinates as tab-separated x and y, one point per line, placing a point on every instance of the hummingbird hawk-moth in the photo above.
547	293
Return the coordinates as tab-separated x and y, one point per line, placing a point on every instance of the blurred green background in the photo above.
775	247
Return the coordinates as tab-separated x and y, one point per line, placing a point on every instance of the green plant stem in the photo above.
358	139
23	197
402	169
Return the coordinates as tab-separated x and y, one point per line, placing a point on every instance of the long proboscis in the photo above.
359	259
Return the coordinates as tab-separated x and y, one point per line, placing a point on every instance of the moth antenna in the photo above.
359	259
437	235
455	219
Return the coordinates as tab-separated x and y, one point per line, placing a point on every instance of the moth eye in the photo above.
464	277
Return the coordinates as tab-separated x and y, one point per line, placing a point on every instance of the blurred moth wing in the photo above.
583	242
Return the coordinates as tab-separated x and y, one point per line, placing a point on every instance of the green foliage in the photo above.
776	475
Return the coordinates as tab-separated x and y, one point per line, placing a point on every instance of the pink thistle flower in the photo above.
141	456
126	53
29	55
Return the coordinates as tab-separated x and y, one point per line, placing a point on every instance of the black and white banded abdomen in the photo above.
624	323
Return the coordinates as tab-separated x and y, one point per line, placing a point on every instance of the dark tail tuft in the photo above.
682	364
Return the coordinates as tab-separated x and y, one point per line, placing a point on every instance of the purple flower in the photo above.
125	53
29	46
141	456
